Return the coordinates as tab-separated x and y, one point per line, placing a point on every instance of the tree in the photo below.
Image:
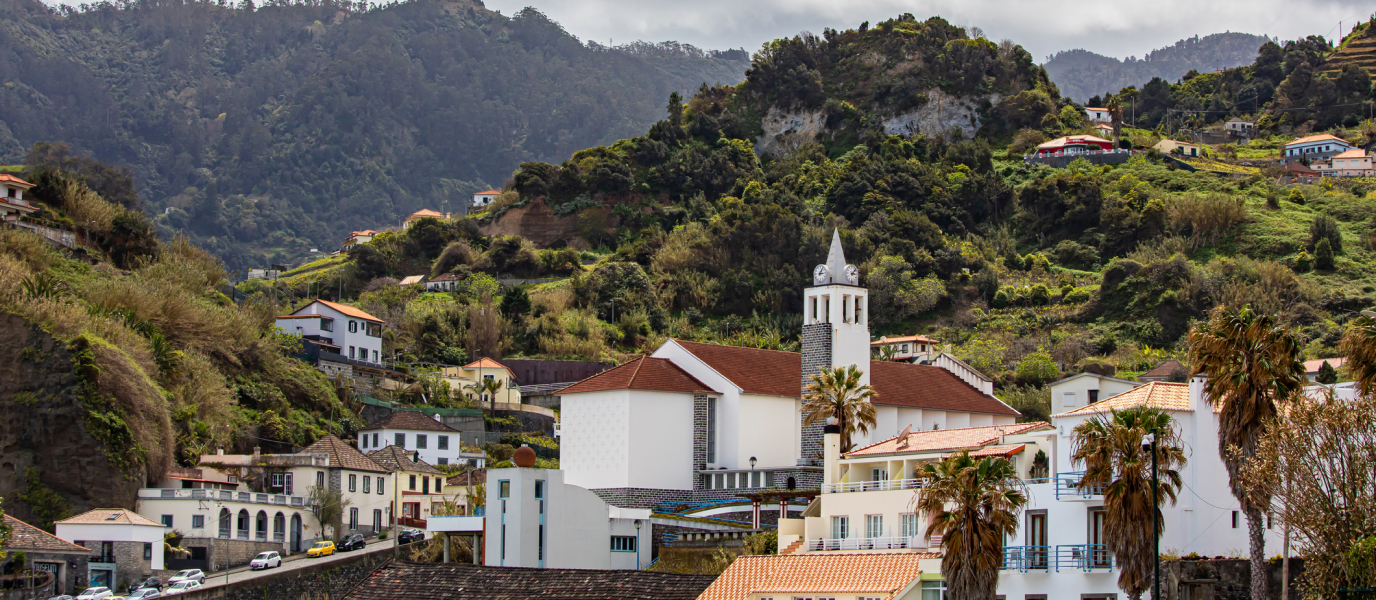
1359	344
489	388
1325	227
1252	364
1111	448
974	507
1115	111
838	393
1327	374
328	507
1323	255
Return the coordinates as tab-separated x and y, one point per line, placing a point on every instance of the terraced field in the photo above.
1360	50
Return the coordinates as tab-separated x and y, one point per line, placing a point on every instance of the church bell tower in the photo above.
836	330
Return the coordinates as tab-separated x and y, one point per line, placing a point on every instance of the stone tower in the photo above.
836	330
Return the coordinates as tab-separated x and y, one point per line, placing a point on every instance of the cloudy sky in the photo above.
1044	27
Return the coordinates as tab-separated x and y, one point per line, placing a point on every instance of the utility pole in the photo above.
396	535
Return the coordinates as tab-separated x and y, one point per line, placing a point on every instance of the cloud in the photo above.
1044	27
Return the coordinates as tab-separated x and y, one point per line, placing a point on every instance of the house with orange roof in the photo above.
1351	163
12	202
466	378
1314	148
338	330
1098	114
849	576
423	213
124	545
485	197
904	348
358	237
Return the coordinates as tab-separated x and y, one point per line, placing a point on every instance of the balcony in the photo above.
1067	557
883	485
203	494
1068	487
875	543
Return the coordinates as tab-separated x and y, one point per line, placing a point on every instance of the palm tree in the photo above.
838	393
1251	364
1110	447
490	387
1359	345
973	505
1115	112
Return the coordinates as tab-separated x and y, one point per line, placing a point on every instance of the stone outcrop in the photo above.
46	455
537	222
942	113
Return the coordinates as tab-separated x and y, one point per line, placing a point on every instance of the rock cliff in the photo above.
941	113
50	466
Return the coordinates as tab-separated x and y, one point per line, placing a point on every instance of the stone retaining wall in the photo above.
317	582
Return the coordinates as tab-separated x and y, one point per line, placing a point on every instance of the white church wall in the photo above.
595	429
769	431
661	440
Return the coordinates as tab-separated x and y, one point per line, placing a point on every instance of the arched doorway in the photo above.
224	523
241	527
296	533
279	528
260	527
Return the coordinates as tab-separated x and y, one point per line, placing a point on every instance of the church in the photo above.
696	421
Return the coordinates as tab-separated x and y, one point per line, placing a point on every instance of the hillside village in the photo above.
777	347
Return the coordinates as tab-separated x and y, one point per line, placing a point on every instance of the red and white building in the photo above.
1073	144
1315	147
1352	163
485	198
359	237
12	202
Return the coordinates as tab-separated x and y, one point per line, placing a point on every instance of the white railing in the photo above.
883	485
876	543
202	494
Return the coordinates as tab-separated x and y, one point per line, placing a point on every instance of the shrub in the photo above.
1325	227
1037	368
1075	255
1303	263
1295	196
1205	218
1323	255
1076	296
1273	200
1000	299
1039	295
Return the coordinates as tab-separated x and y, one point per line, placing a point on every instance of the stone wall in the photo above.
816	343
640	497
316	582
1222	579
699	436
240	552
42	430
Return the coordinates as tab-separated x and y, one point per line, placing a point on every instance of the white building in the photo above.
124	545
357	334
1240	127
485	198
535	519
436	443
12	202
907	348
421	485
1352	163
1315	147
358	237
1098	114
730	418
1086	388
444	282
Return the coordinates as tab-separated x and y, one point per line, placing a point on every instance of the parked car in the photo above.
62	597
352	542
152	583
187	575
143	593
265	560
181	587
410	535
95	593
324	548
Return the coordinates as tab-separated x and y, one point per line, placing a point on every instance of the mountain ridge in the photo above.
1081	74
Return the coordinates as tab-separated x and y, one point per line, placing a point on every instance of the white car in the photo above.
265	560
188	575
94	593
181	587
143	594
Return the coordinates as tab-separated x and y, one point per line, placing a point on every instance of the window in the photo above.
353	518
326	324
439	485
1099	555
380	482
420	441
934	590
353	482
366	484
287	484
907	525
353	326
443	442
167	520
377	519
1093	396
504	489
879	474
374	329
1037	536
444	461
874	526
374	440
198	521
711	430
1235	519
413	484
147	551
232	479
351	352
623	543
363	442
320	479
401	440
278	480
375	356
840	527
1068	399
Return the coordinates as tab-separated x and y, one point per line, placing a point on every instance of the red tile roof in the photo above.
1163	370
900	339
965	438
447	277
109	516
398	458
486	363
1313	366
1322	137
1170	397
14	181
777	373
644	373
1353	153
994	451
811	574
487	193
1073	139
411	420
425	212
28	538
343	456
348	310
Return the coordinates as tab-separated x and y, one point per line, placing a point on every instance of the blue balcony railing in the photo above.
1084	557
1068	487
1026	558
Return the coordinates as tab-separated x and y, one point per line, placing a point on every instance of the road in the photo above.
295	561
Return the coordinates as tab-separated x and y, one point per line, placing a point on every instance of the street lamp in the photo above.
752	463
1149	444
637	544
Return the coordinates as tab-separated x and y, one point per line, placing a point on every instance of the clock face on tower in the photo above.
852	275
821	275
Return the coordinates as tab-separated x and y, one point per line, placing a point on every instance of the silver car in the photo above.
187	575
181	587
265	560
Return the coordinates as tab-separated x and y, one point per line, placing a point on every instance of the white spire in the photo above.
836	258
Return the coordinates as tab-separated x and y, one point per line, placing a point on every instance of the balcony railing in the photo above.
875	543
1068	487
202	494
1067	557
882	485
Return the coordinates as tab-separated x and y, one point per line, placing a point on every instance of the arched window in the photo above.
260	529
224	523
279	528
241	527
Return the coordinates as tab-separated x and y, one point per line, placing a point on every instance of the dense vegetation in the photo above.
1081	74
265	131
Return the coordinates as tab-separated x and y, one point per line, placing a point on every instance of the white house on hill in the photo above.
357	334
727	418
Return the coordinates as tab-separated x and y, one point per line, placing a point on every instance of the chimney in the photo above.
831	453
219	451
257	452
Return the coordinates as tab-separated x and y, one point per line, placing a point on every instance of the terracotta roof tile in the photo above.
1164	369
991	451
447	277
965	438
1174	397
754	370
808	574
929	387
899	339
1072	139
105	516
644	373
487	193
412	420
425	212
397	458
486	363
349	311
1322	137
1353	153
470	476
343	455
1313	366
412	581
24	536
12	180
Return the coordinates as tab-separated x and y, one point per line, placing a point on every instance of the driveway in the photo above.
296	561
